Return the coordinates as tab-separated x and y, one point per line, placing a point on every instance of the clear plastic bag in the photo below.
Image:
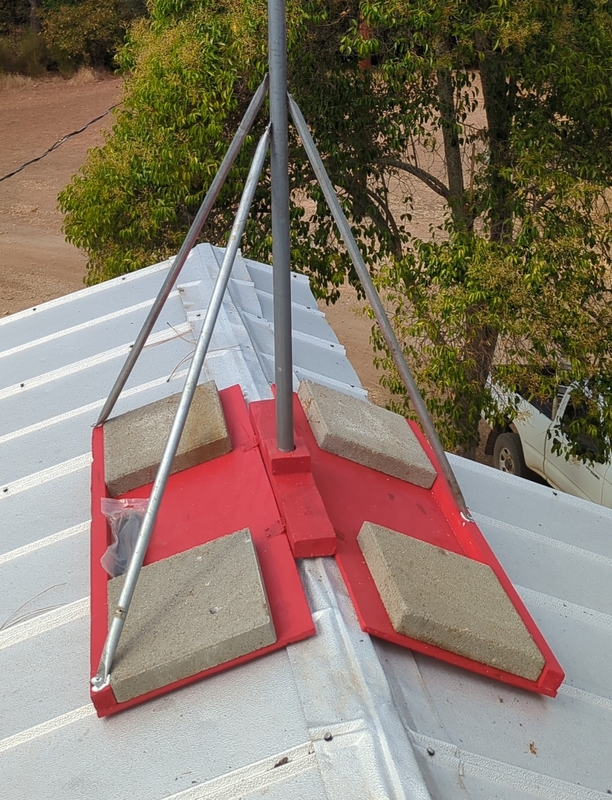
125	518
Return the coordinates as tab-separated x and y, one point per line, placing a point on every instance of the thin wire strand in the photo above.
57	144
13	619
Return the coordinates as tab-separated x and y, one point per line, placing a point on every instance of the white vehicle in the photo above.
525	446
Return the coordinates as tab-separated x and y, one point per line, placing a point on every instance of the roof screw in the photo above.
431	751
5	489
22	385
327	736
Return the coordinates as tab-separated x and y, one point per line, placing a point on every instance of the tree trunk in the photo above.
480	349
499	95
35	16
452	148
366	33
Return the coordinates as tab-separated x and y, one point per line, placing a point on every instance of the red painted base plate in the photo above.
353	494
309	530
200	504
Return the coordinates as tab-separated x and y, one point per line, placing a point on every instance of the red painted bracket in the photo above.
200	504
353	494
308	527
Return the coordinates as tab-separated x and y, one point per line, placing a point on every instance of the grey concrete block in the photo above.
448	600
134	442
191	612
365	433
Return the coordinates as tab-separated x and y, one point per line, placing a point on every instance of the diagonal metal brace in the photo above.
186	247
374	300
102	677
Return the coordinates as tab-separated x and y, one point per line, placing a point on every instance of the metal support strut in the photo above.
186	247
276	135
374	300
102	678
281	249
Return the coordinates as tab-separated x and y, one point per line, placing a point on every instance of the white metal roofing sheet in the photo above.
401	725
486	740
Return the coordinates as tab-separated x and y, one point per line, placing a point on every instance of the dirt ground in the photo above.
37	264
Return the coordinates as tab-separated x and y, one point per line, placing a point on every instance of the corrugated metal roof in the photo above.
402	725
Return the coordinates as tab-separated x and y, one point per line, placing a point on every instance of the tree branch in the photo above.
390	219
538	204
433	183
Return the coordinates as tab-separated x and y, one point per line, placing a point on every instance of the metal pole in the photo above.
281	252
102	678
186	247
373	298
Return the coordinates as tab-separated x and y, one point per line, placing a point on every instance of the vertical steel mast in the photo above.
279	167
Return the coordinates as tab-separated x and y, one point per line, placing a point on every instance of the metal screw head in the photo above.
98	682
327	736
431	751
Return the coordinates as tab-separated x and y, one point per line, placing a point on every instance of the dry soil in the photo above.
36	263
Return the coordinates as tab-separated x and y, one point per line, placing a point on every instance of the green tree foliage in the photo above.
87	32
36	35
21	48
501	109
137	195
13	14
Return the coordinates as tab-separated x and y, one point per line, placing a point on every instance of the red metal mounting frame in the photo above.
302	504
308	527
200	504
348	494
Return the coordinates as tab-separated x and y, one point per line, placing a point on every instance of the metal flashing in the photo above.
402	726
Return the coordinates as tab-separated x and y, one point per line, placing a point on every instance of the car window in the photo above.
581	424
544	407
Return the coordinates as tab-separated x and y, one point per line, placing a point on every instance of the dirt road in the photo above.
36	263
